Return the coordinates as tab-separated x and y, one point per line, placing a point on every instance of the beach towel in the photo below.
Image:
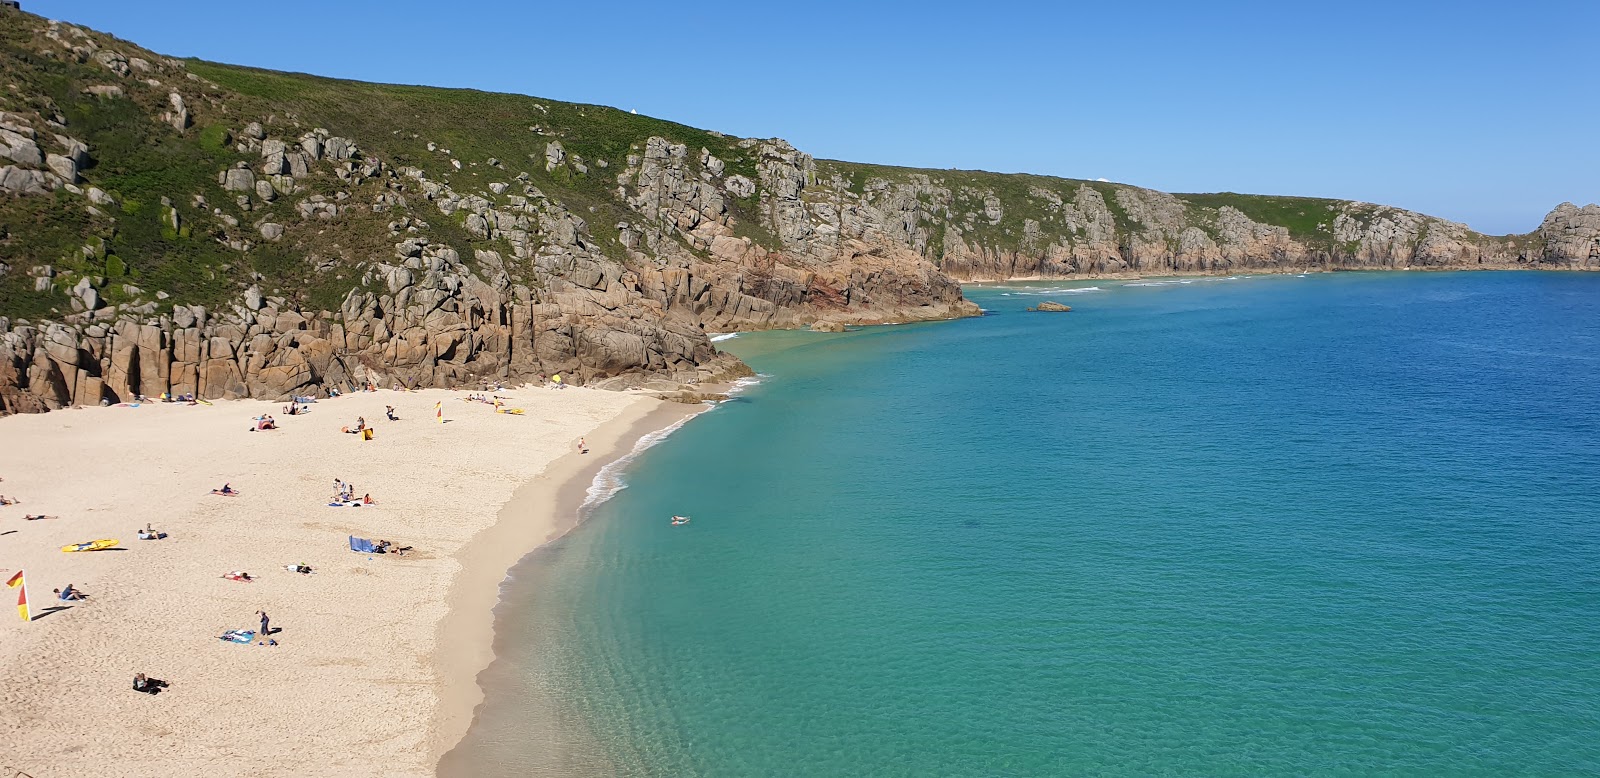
243	636
362	545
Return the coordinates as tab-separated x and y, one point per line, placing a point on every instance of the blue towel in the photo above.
361	544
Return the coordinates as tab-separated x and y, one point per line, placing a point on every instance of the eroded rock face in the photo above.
1572	235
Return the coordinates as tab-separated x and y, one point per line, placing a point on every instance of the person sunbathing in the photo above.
150	534
70	594
31	517
7	501
367	500
226	489
388	410
143	683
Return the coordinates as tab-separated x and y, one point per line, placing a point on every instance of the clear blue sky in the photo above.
1482	112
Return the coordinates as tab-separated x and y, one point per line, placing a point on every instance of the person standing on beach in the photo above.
583	447
264	622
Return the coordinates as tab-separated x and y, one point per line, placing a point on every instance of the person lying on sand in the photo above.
303	569
238	575
143	683
226	489
69	594
150	534
385	547
31	517
8	501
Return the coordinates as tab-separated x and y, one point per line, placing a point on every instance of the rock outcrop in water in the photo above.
1051	306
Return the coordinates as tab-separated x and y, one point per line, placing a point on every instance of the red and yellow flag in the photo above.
17	582
438	411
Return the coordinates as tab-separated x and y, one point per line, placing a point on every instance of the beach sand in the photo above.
374	671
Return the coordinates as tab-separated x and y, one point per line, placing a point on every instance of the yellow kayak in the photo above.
93	545
512	411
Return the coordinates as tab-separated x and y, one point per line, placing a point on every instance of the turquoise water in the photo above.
1329	525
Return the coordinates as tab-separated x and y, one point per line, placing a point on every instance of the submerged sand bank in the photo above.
373	674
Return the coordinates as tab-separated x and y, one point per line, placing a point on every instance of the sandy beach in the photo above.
374	669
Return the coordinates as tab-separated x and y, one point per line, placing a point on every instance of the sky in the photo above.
1481	112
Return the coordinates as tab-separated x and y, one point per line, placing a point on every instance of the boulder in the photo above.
63	167
178	116
239	180
1051	306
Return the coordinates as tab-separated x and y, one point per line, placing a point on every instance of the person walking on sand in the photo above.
264	622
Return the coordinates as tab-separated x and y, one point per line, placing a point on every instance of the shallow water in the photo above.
1335	525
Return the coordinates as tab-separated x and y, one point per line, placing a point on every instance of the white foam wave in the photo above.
1035	292
724	336
610	479
746	382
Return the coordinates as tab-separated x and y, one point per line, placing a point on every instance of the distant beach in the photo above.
373	671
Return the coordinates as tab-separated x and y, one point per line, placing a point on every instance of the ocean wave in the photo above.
746	382
724	336
1033	292
611	480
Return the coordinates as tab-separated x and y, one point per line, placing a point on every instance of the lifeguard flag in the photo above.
438	411
16	582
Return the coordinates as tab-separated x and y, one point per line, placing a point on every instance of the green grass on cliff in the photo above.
1307	218
140	161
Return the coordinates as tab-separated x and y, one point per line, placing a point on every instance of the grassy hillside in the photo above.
465	138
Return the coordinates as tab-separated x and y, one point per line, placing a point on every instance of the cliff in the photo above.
187	226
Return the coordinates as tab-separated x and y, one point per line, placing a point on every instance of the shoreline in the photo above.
541	510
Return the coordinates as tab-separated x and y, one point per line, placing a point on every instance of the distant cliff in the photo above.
985	226
184	226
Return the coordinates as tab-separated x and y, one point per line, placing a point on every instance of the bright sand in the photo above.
374	669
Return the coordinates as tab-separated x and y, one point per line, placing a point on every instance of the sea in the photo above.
1338	524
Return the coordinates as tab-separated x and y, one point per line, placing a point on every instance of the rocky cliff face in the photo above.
190	227
436	283
981	227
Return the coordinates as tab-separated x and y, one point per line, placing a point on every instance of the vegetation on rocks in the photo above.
193	226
